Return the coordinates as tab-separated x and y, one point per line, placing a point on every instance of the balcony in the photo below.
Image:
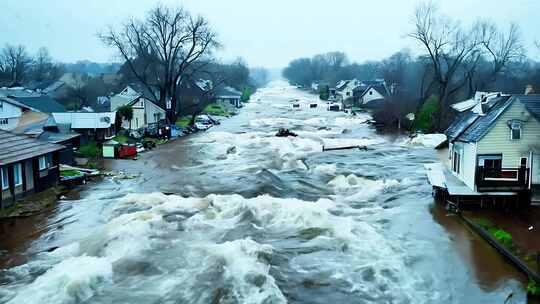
504	179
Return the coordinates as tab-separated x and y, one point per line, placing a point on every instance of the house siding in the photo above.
467	172
375	95
497	140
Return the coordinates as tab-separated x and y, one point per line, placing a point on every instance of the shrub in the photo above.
533	288
504	237
424	120
183	122
324	92
70	173
91	149
246	94
215	109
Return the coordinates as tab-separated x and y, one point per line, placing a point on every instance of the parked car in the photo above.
202	122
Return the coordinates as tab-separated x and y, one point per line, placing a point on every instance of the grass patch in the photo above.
91	149
502	236
484	223
216	109
70	173
533	288
183	122
122	139
157	141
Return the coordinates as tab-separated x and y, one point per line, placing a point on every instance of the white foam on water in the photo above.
252	281
426	140
351	121
73	280
326	169
360	188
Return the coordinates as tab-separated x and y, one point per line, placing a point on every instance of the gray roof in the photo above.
471	127
42	103
227	91
14	148
57	137
532	103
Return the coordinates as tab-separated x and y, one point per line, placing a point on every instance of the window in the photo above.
457	162
17	173
516	134
5	178
515	129
4	121
524	161
370	92
42	163
1	105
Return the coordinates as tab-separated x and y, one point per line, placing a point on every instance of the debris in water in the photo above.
285	133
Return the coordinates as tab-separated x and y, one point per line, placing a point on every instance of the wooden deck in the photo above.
440	177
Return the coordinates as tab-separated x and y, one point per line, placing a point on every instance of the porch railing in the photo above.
510	179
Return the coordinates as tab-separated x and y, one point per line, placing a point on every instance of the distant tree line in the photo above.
17	66
457	61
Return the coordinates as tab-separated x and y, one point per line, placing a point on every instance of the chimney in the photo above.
529	89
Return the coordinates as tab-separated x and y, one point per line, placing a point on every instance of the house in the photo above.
345	89
193	95
370	95
27	166
145	111
11	112
91	125
228	97
494	146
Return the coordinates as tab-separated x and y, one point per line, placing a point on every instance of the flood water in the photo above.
253	218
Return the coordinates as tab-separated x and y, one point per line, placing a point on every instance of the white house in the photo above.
97	126
345	89
144	110
228	97
372	94
494	146
11	112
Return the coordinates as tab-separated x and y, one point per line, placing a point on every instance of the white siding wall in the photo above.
468	165
12	124
151	110
373	96
9	111
467	170
497	140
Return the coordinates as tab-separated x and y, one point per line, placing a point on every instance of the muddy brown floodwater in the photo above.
253	218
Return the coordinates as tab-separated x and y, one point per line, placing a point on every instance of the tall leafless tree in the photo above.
160	49
15	62
448	45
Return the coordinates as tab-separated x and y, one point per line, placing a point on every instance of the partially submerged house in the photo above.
27	166
494	149
361	93
145	111
228	97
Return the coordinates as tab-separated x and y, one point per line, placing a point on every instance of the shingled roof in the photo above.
472	126
14	148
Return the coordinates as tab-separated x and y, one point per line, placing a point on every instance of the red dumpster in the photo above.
127	151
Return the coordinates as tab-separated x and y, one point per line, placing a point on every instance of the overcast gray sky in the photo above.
266	33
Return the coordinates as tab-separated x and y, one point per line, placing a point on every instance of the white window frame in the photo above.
17	174
4	174
4	121
43	163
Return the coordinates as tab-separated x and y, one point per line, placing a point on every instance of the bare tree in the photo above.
15	62
448	46
161	48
